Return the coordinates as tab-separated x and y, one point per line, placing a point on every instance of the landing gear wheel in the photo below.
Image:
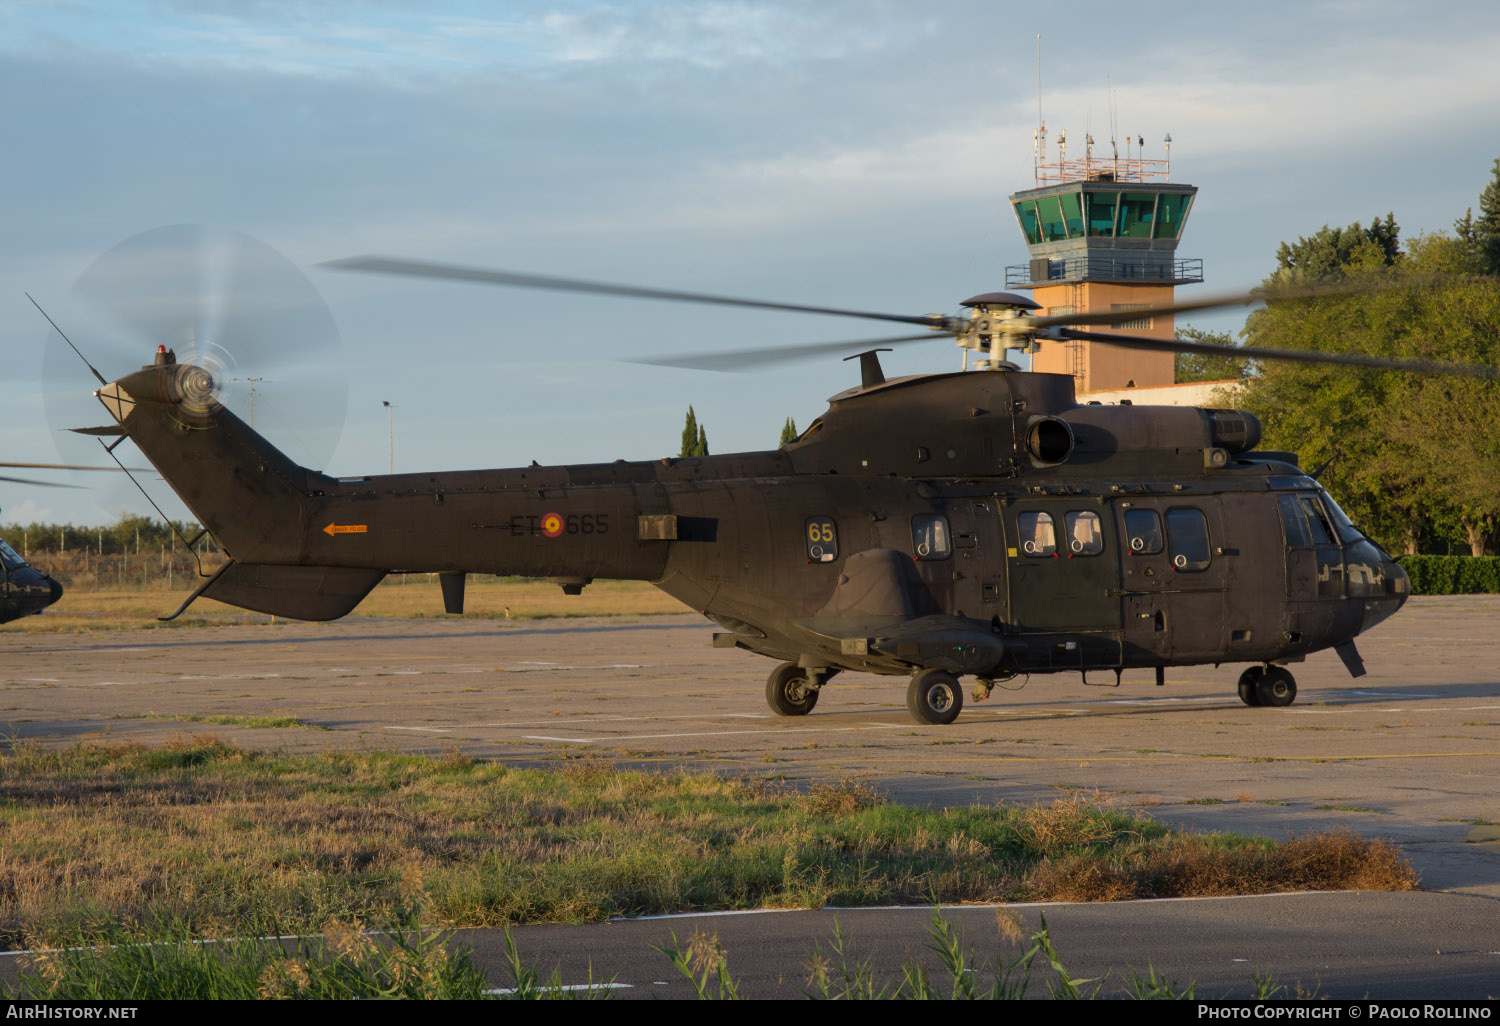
1276	687
790	692
934	696
1248	680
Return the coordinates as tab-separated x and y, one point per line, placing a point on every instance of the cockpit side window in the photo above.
9	558
1317	523
1293	522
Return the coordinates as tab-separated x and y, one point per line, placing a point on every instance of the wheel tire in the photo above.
935	697
1248	681
788	691
1276	688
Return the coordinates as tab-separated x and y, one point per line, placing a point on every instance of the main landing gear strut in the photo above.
1267	685
934	696
792	690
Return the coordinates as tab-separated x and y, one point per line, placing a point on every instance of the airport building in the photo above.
1102	233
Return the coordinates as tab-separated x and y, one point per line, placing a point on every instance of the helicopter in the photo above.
25	590
931	527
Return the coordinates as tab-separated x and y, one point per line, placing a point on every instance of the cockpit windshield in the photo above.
9	558
1342	525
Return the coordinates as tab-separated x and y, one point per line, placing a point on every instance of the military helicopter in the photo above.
25	590
975	524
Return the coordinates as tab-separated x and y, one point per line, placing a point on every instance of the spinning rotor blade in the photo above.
1210	302
745	359
219	299
454	272
44	484
1471	370
62	466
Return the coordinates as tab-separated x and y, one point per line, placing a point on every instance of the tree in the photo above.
1485	232
1205	367
1414	456
788	432
1331	253
694	438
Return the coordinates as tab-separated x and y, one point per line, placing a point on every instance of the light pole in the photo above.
390	416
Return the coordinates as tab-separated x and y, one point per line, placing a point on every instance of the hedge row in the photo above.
1453	575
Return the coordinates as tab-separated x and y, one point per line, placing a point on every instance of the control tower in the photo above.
1103	235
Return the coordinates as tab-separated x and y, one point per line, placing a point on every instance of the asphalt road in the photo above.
1409	752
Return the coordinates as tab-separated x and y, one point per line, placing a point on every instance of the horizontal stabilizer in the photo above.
295	592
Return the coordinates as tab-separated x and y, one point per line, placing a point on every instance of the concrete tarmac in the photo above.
1409	752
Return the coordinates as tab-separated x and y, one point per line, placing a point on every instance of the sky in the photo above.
852	154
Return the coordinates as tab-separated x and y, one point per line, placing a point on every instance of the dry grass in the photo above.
488	597
203	833
413	595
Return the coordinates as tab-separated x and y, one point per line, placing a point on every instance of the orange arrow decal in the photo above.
333	529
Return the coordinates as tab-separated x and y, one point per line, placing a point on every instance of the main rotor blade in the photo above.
65	466
743	359
454	272
1406	363
1209	302
43	484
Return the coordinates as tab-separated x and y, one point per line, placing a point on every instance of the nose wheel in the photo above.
1267	685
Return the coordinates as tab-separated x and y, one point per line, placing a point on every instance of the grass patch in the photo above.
1350	808
229	720
405	961
208	836
417	596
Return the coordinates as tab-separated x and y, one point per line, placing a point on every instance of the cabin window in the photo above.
930	537
1036	535
1084	536
822	540
1143	532
1187	532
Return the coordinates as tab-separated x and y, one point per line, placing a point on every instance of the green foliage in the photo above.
1453	575
1413	456
1205	367
400	960
788	432
126	536
1485	234
1330	253
694	438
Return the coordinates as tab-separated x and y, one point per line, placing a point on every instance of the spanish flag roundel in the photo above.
552	525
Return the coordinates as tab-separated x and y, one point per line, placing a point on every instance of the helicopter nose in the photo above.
1396	590
57	590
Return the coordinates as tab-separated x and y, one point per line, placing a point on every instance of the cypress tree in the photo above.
1486	228
788	432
